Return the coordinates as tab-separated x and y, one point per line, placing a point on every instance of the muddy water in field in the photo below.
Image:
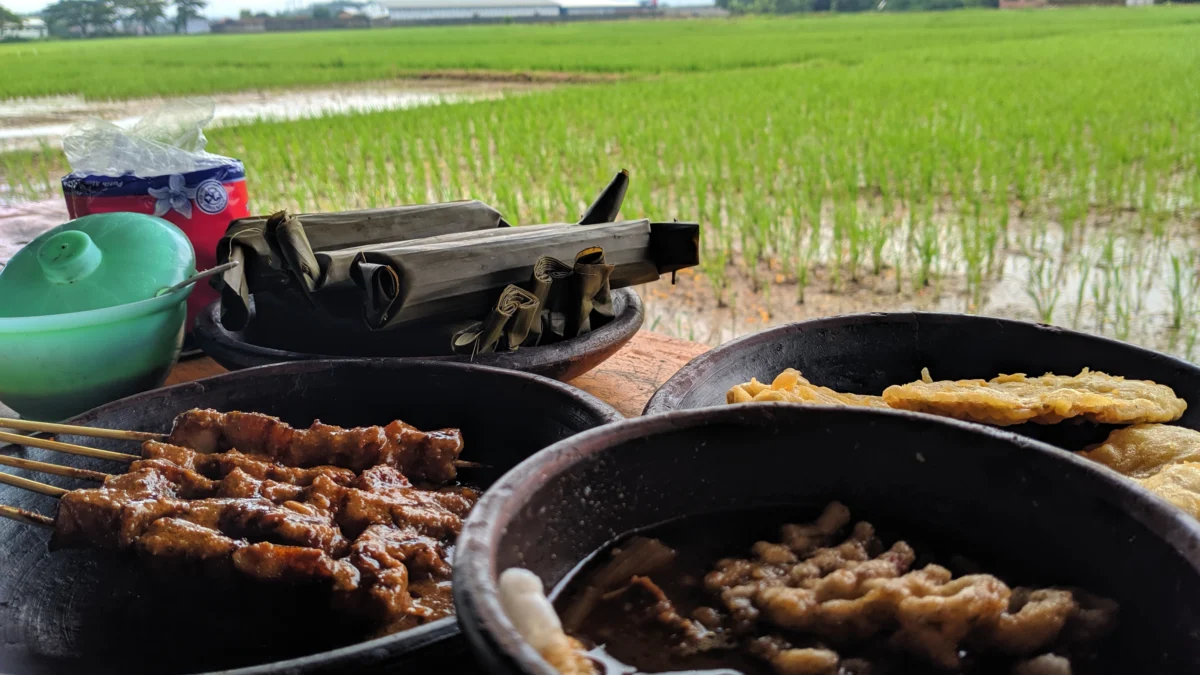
1113	281
27	122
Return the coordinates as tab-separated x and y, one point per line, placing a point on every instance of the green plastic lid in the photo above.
97	261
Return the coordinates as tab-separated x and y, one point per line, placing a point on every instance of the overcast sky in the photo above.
218	9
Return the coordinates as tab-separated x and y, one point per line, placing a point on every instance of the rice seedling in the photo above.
838	150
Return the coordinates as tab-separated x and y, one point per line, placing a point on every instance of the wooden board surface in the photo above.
625	381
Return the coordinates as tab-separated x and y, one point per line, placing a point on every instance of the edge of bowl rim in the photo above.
44	323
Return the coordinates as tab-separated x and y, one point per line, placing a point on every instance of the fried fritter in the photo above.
791	387
1049	399
856	590
1163	458
1178	484
1142	450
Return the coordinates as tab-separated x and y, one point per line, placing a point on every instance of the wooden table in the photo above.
625	381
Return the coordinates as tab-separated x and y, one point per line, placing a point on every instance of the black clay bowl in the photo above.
563	361
866	353
1016	506
81	611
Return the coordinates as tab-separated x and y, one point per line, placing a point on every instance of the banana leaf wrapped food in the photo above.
563	301
456	276
277	252
456	271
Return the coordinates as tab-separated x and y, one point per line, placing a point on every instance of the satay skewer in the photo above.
76	430
32	485
83	450
27	517
56	469
69	448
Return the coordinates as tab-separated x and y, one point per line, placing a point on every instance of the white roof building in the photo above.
599	7
32	28
433	10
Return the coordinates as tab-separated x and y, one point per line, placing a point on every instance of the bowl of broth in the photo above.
775	539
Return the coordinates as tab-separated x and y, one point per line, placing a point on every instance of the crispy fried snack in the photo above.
1164	459
1049	399
1178	484
791	387
1140	451
855	590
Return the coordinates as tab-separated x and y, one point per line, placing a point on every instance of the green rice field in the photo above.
170	65
1039	164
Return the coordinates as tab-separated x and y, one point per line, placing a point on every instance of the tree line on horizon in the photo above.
89	18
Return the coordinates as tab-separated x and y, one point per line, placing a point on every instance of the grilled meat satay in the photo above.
218	465
394	574
404	577
420	455
241	506
111	518
381	545
433	513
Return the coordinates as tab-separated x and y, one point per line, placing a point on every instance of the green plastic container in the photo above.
81	323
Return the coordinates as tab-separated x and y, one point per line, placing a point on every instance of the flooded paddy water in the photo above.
1112	278
26	123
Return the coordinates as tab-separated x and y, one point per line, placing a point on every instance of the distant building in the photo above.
693	11
601	8
250	24
32	29
466	10
196	25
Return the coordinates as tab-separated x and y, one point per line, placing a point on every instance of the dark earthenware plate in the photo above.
866	353
563	361
1012	504
80	611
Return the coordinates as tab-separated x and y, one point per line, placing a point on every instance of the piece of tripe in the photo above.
791	387
1049	399
1141	450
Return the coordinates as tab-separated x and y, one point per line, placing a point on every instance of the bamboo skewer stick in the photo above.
29	441
32	485
46	467
45	444
27	517
76	430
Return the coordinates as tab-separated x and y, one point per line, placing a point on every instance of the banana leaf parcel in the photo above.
455	271
277	252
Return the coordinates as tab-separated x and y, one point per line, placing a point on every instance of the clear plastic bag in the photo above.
168	140
159	167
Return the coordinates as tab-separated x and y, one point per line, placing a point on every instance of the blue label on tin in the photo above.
211	196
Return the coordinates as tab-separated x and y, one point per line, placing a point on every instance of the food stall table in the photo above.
625	381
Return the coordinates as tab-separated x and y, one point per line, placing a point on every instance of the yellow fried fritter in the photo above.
1049	399
791	387
1141	450
1178	484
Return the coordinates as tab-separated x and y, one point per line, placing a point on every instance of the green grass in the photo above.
133	67
924	147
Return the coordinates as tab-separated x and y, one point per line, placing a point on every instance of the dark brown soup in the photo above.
793	592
